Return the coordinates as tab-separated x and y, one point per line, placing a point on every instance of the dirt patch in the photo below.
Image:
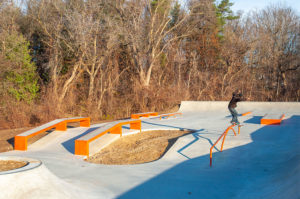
7	138
138	148
6	165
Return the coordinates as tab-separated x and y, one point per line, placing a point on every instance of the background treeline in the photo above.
109	58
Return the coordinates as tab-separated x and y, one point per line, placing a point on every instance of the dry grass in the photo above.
6	165
7	138
138	148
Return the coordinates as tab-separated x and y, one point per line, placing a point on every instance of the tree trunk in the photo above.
68	83
91	88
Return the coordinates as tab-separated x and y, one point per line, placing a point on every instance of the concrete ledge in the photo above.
83	144
272	119
21	140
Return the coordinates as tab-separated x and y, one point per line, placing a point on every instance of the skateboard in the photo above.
233	123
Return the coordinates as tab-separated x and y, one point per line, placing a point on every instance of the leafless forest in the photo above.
109	58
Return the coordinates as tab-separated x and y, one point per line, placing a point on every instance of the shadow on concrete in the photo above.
169	126
197	136
126	127
254	120
70	144
268	167
172	141
230	116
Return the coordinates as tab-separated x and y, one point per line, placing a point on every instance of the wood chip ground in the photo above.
138	148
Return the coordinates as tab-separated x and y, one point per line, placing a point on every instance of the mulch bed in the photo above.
138	148
6	165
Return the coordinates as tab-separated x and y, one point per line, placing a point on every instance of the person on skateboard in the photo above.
236	97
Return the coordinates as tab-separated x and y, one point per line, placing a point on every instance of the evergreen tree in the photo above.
175	12
224	14
19	77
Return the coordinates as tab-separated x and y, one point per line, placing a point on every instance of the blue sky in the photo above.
248	5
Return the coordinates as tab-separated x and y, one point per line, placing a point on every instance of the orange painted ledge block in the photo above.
21	140
247	113
148	114
169	115
272	119
82	144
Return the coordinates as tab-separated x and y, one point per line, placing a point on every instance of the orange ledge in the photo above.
138	115
272	121
82	146
247	113
169	115
20	141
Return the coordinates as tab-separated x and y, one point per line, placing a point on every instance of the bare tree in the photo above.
65	59
149	30
278	30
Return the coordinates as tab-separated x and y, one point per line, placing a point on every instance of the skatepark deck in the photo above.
261	162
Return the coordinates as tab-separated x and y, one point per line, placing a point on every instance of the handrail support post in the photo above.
224	134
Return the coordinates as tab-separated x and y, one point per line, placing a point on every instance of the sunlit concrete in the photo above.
261	162
34	181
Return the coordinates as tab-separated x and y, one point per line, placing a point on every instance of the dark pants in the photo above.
234	115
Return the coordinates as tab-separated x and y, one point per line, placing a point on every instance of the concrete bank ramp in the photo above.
33	181
244	106
261	162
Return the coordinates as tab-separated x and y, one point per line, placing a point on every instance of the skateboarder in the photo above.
236	97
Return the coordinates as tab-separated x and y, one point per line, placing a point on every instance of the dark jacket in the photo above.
235	99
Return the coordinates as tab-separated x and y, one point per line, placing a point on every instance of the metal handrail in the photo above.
224	136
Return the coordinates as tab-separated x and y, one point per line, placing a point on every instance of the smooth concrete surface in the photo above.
34	181
261	162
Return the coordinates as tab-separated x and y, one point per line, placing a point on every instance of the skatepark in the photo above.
262	161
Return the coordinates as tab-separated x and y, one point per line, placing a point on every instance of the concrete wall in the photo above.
196	106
